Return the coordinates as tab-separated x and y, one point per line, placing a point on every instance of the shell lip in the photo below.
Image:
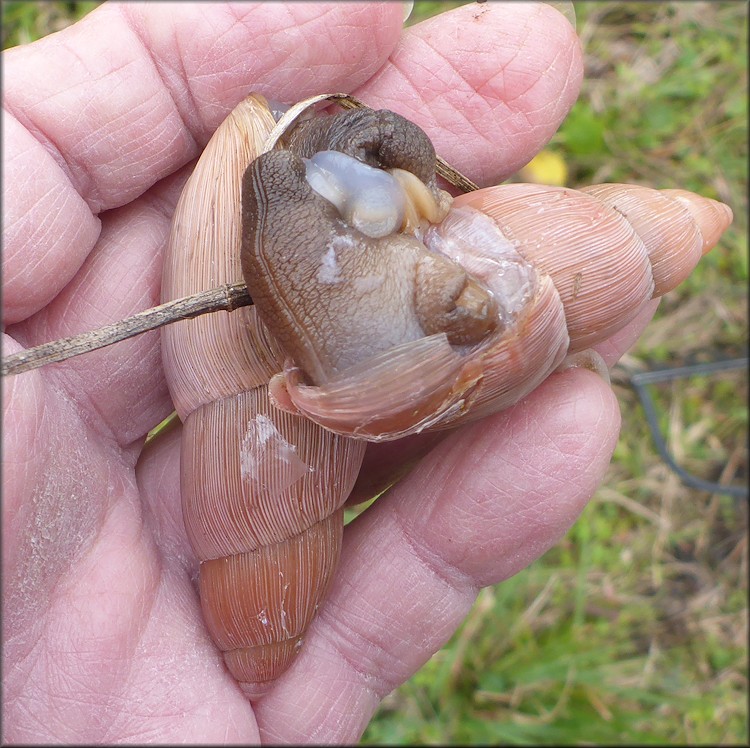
404	390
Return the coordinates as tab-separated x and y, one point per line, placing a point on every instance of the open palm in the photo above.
103	637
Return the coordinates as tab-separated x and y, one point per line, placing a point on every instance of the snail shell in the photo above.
369	321
454	309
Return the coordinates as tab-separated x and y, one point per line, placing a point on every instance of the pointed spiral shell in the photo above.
264	476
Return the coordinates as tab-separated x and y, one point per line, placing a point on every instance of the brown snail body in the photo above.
450	311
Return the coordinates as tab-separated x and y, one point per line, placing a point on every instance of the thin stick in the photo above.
454	176
224	298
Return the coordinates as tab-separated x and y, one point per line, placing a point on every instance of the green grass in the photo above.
633	628
24	22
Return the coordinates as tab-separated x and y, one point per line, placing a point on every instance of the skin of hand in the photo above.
103	639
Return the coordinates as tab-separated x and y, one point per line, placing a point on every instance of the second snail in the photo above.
383	307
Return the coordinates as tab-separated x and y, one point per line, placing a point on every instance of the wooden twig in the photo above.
454	176
224	298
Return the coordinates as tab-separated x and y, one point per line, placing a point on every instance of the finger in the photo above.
490	85
127	95
486	502
158	476
385	463
388	462
41	212
111	105
612	349
120	276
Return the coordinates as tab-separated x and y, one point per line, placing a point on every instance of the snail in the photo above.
383	307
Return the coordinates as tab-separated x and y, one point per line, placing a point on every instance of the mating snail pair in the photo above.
383	308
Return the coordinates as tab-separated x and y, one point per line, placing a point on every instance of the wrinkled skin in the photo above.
103	638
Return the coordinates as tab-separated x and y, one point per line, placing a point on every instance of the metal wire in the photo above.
640	382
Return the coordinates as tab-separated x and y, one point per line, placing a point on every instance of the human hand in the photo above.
103	635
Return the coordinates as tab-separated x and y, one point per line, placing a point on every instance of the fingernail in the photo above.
588	359
408	8
565	7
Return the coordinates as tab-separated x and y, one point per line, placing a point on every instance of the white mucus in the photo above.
329	272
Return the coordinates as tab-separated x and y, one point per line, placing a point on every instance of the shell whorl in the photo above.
261	489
